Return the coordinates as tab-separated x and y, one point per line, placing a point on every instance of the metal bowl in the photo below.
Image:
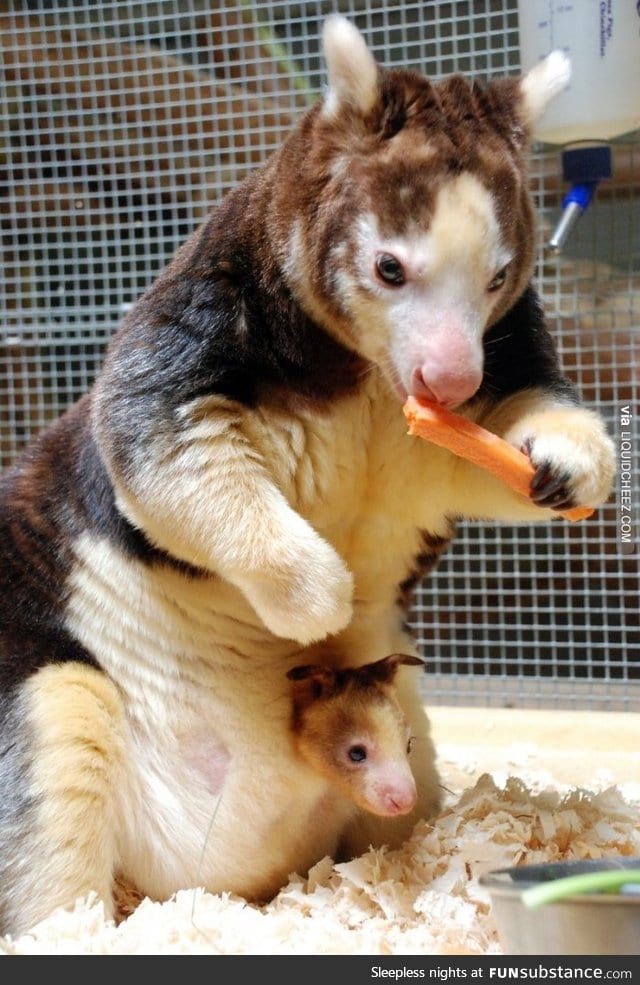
583	923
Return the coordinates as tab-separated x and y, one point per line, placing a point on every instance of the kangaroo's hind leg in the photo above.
61	757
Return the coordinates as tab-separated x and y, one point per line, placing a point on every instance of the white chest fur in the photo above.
213	792
357	476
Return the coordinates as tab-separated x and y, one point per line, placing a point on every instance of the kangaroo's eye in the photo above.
409	744
357	754
390	270
497	282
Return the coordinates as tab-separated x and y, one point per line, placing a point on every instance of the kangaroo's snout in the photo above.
449	370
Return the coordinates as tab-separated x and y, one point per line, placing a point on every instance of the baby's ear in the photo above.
351	68
311	682
542	84
385	670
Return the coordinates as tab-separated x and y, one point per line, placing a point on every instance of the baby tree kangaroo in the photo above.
349	725
237	494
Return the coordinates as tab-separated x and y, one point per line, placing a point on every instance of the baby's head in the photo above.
348	724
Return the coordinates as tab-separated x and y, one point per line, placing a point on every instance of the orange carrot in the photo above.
476	444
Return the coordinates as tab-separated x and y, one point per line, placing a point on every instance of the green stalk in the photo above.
607	881
276	49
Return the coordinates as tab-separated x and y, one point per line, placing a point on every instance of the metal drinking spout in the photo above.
584	167
573	205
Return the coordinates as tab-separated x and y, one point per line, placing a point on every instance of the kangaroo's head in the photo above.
348	724
403	217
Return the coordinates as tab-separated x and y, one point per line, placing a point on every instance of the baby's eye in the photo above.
357	754
390	270
409	744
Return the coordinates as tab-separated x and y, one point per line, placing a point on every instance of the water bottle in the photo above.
602	39
602	101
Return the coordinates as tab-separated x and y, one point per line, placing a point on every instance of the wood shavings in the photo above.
423	898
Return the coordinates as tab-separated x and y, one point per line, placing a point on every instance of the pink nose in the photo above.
450	387
399	799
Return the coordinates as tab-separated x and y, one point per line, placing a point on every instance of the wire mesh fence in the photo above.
122	122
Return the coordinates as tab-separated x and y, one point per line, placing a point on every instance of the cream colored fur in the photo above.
77	720
341	496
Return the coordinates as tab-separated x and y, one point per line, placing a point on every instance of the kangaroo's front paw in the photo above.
549	487
573	457
307	596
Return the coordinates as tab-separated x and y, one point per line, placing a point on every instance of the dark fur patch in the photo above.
432	547
58	489
520	353
456	112
221	321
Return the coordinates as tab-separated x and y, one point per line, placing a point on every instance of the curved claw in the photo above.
549	488
545	483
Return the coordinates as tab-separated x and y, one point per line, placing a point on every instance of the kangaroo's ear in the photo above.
311	682
351	68
385	670
542	84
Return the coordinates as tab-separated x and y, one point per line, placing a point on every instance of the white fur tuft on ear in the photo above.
352	70
543	83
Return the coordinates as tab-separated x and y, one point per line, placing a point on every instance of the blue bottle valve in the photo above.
574	203
584	167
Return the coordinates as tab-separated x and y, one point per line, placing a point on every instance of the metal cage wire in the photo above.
122	122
